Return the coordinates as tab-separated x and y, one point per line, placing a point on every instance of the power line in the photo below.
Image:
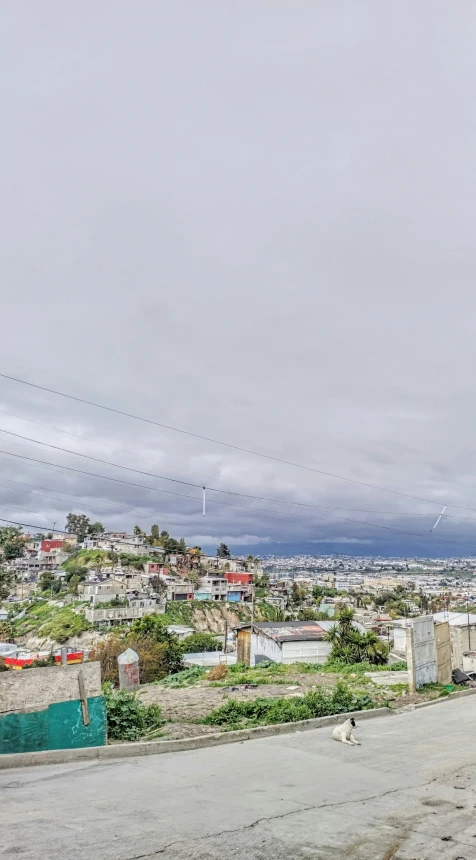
174	480
136	511
202	475
217	502
168	478
103	444
225	444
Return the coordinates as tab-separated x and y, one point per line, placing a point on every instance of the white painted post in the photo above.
128	663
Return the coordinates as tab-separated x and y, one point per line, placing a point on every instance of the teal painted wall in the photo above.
60	726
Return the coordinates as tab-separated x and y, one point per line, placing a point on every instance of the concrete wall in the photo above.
399	639
443	652
421	652
33	689
40	709
469	661
462	639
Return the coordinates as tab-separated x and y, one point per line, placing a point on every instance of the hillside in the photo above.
49	623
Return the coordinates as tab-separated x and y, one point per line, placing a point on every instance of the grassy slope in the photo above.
46	620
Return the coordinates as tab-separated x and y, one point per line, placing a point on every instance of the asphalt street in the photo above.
408	792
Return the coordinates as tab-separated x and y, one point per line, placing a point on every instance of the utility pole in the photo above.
226	636
469	628
251	627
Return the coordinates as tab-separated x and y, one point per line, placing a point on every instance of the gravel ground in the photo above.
183	707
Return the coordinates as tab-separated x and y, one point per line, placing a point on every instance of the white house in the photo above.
284	642
101	592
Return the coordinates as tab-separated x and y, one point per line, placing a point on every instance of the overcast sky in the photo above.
253	221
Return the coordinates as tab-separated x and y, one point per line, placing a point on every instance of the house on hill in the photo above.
284	642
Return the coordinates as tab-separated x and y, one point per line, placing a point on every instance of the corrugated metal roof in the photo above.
286	631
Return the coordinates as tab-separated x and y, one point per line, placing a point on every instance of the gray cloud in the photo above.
253	222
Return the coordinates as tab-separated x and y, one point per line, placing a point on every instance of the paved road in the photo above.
408	792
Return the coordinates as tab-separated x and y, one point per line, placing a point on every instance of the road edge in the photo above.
140	748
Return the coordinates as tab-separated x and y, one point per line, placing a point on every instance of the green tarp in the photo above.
59	726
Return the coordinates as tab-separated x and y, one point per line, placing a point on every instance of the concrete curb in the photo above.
140	748
13	760
460	694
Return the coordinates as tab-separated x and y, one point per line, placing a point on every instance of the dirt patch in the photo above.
193	703
187	705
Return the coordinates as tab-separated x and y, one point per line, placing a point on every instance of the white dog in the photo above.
344	733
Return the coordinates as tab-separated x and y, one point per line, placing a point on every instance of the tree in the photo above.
12	543
298	593
182	545
349	645
46	580
73	584
223	551
197	642
262	581
153	627
137	531
96	529
6	582
6	631
77	524
154	532
78	570
308	614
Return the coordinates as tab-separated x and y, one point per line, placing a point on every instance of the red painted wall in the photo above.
46	545
241	577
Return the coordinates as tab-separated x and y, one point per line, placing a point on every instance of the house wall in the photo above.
264	647
469	661
243	577
399	639
310	651
462	639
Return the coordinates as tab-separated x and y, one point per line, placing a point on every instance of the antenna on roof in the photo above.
439	518
204	502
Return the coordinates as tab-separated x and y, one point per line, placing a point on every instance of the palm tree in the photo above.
349	645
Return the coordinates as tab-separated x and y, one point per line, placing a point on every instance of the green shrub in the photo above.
153	627
198	642
185	678
154	657
128	719
317	703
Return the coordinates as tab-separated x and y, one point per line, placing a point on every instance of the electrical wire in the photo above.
216	501
203	475
176	480
138	512
225	444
